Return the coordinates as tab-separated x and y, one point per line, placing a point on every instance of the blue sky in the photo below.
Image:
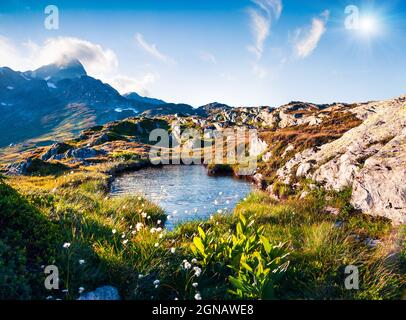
240	52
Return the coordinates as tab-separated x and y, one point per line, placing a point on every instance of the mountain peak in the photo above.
62	69
65	62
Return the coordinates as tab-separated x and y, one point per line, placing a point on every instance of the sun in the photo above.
368	25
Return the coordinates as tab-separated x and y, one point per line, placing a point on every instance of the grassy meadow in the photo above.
290	249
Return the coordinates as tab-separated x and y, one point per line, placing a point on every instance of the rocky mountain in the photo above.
370	159
70	69
39	102
337	146
60	99
173	108
136	97
360	147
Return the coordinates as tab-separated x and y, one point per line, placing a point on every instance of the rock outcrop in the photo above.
370	158
380	187
19	168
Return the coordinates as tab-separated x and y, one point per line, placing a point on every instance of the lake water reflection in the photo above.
184	192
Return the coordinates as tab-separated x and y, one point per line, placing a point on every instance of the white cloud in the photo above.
270	6
307	39
10	55
140	85
261	21
152	49
99	62
208	57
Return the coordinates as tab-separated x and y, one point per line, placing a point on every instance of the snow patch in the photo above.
125	109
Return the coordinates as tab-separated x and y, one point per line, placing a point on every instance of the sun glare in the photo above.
368	25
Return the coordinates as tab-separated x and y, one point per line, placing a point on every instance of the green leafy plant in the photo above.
255	264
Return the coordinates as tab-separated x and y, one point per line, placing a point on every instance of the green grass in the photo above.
102	231
25	235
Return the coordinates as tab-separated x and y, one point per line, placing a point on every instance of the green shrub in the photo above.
27	241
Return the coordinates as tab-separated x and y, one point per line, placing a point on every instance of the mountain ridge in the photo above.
36	103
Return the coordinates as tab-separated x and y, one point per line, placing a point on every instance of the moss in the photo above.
112	136
43	168
125	128
125	155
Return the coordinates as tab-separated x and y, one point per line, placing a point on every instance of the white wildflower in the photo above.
195	284
66	245
114	231
194	260
81	261
173	250
81	289
156	282
198	296
197	271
